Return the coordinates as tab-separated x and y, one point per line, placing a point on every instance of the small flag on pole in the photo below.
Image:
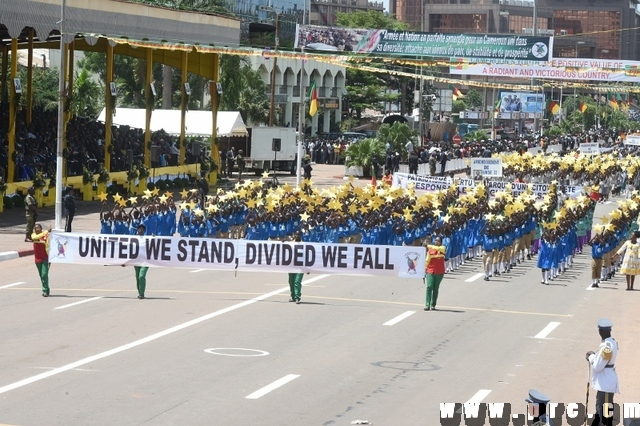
457	94
583	107
313	96
554	107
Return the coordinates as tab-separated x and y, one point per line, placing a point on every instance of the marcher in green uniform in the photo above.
295	278
141	271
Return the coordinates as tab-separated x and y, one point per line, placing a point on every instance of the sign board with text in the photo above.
590	148
488	47
486	167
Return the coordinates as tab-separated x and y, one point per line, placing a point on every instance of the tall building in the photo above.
325	12
603	29
258	29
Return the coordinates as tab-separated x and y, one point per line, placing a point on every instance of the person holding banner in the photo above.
141	271
40	240
435	269
295	278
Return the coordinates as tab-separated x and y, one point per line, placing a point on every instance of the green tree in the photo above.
473	99
87	99
458	105
397	135
232	79
369	20
253	103
45	87
211	6
366	90
361	154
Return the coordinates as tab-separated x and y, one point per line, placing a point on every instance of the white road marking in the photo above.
475	277
196	270
77	303
75	369
11	285
275	385
139	342
250	352
547	330
399	318
479	396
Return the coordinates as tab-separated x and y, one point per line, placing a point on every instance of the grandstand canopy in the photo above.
118	19
198	123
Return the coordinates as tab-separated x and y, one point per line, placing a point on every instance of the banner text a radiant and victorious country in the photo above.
242	255
486	47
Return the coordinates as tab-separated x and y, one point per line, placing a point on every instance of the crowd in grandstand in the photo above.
35	148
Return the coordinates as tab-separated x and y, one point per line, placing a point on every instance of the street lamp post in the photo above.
61	98
272	105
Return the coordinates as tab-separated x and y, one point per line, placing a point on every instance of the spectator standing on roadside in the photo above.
31	212
231	156
413	163
443	162
240	161
432	164
40	240
69	204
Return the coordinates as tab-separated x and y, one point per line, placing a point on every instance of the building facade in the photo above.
325	12
330	83
601	29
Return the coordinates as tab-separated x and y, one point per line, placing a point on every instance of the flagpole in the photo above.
60	136
301	120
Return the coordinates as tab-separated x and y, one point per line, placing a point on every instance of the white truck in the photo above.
271	148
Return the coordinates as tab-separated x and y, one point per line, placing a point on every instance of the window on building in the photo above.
458	23
601	27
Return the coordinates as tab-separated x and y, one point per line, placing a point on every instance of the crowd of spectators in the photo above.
35	148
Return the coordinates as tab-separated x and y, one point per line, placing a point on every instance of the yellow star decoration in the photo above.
122	202
163	199
133	200
117	197
170	195
147	193
103	196
265	175
212	208
192	205
184	205
198	212
304	217
184	193
193	191
155	191
353	209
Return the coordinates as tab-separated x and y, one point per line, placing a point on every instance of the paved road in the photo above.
94	354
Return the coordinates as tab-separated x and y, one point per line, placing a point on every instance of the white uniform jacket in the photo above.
604	377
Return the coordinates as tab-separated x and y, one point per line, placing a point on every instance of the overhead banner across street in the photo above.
545	72
241	255
441	45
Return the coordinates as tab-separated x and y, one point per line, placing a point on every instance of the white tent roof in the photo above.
197	123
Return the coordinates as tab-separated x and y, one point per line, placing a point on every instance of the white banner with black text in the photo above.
241	255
